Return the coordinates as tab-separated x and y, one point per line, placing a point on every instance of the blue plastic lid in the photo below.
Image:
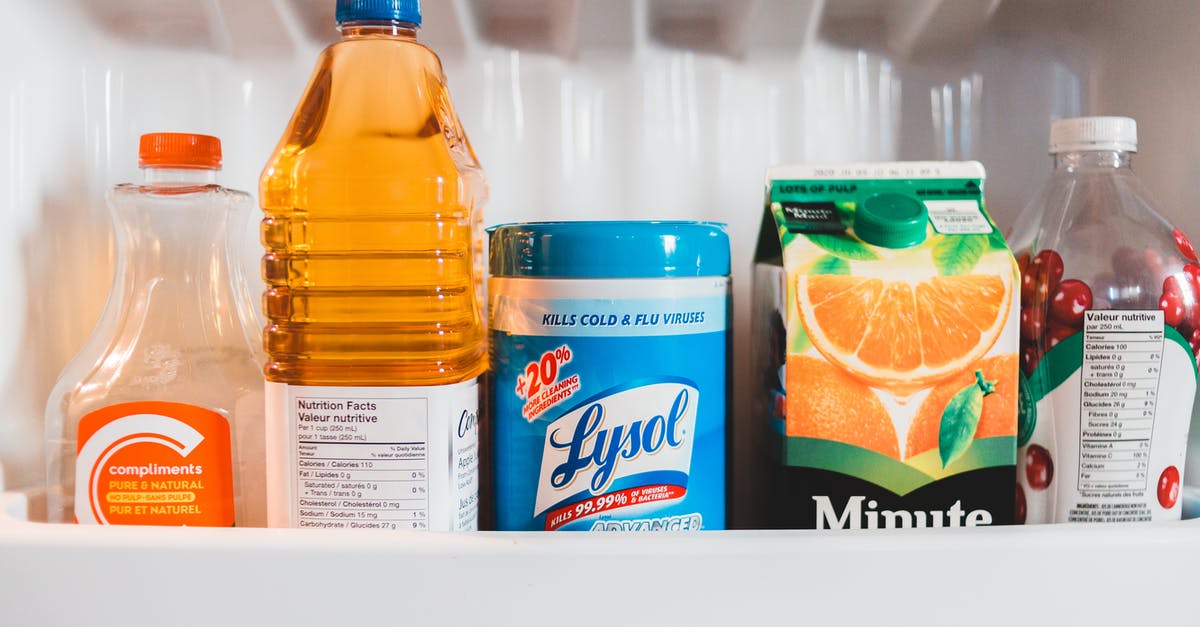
609	249
403	11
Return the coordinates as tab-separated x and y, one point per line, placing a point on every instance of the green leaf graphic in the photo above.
960	419
829	264
846	212
843	246
1026	411
785	236
799	341
996	239
957	254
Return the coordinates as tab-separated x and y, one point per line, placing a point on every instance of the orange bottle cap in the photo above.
179	150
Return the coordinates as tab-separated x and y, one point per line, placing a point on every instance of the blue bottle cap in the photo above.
403	11
609	249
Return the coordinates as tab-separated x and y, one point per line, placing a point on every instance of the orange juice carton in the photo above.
886	343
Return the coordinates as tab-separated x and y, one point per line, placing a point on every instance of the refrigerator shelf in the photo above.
153	576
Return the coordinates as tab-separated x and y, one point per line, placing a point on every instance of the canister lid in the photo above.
609	249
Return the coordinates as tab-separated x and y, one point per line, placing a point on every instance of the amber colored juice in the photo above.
372	224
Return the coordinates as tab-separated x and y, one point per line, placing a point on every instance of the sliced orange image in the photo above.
901	335
999	415
826	403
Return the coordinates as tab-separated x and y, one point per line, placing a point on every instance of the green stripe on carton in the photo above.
892	474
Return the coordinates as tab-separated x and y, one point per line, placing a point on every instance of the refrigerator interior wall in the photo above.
578	109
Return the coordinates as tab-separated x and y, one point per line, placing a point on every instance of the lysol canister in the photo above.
608	349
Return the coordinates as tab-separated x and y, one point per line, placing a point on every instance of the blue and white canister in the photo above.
609	357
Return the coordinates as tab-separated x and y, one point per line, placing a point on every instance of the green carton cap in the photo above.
891	221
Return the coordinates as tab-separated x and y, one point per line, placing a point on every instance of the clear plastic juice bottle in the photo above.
375	339
1110	329
158	420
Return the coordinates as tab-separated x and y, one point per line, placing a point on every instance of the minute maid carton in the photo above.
886	342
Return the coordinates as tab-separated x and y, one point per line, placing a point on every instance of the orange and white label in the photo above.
154	463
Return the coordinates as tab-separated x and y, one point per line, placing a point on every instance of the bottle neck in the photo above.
1093	160
167	177
371	28
174	261
177	279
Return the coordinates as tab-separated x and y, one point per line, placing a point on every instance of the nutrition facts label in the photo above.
373	457
1122	359
362	462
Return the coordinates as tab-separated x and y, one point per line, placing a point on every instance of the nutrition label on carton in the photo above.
362	462
1122	360
957	217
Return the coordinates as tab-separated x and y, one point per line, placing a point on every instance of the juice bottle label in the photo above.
154	463
1103	437
886	343
609	403
374	457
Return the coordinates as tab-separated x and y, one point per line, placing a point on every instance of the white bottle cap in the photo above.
1093	133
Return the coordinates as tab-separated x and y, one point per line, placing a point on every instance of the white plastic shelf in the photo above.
155	576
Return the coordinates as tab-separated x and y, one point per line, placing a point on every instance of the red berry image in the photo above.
1189	283
1049	262
1028	282
1070	300
1033	323
1171	302
1039	468
1168	487
1021	509
1041	296
1047	270
1185	246
1056	333
1030	356
1192	272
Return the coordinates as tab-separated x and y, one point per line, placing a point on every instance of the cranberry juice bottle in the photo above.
1110	329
